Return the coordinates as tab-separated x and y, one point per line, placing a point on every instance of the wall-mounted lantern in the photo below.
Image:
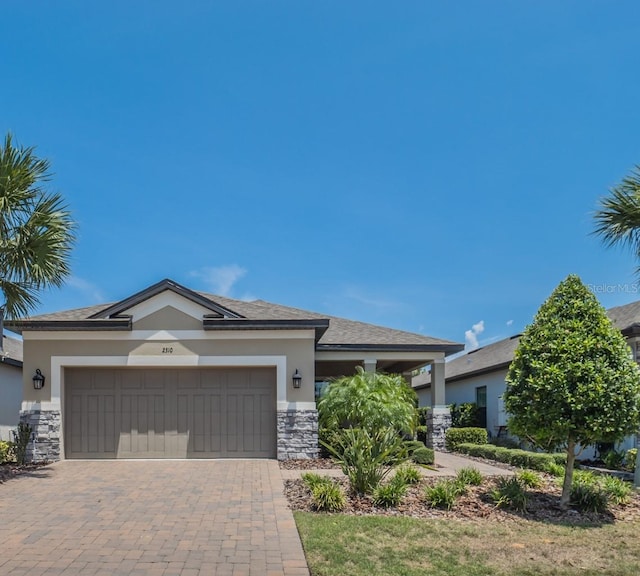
38	380
297	379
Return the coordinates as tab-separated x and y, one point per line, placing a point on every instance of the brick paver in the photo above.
149	518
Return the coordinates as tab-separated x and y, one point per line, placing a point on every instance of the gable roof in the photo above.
11	351
332	333
498	356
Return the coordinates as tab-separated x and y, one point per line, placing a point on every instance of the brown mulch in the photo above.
475	505
309	464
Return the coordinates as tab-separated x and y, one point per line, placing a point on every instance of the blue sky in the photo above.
424	166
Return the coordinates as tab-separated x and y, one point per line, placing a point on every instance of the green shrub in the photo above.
443	494
456	436
390	494
630	459
421	434
311	480
423	413
412	445
554	469
23	437
424	456
618	491
529	478
540	461
587	493
504	442
6	452
509	493
465	415
367	457
408	474
469	477
328	497
613	459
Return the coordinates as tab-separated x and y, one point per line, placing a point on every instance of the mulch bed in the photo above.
11	470
309	464
475	505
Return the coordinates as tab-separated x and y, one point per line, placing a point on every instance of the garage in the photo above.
170	413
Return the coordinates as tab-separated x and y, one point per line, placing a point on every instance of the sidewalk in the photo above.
447	465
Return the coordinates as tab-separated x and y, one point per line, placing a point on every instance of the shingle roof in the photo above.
12	348
500	354
341	331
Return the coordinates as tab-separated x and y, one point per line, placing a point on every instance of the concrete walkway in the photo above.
447	465
149	518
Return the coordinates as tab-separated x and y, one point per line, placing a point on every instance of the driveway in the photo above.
149	518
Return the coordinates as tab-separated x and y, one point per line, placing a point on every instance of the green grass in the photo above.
378	546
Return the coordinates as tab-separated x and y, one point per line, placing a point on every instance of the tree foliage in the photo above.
572	380
36	231
371	401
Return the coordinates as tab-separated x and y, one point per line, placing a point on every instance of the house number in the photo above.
167	350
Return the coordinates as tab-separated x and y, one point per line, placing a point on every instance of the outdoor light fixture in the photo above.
297	379
38	379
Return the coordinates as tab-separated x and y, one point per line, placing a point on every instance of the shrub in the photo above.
443	494
509	493
412	445
630	459
328	497
311	480
530	479
540	461
23	437
504	442
421	434
469	477
6	452
465	415
424	456
613	459
456	436
587	494
390	494
408	474
367	457
555	469
618	491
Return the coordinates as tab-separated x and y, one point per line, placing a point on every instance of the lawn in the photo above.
381	545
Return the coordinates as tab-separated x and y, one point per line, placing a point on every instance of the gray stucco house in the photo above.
174	373
10	385
479	375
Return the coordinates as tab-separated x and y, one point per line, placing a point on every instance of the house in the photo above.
480	375
174	373
10	385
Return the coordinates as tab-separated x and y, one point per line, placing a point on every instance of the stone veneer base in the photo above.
438	422
45	424
297	434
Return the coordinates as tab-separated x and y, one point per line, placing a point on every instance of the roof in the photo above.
11	351
499	355
333	333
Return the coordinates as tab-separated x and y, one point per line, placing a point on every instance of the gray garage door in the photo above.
175	413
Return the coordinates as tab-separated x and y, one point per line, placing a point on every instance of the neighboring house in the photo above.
10	385
479	376
173	373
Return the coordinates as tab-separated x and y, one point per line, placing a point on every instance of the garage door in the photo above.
158	413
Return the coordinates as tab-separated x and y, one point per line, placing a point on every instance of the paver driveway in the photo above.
151	518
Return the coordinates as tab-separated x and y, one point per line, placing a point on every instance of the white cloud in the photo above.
471	336
220	279
509	322
89	290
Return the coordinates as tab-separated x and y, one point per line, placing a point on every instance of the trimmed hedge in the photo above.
423	456
456	436
516	457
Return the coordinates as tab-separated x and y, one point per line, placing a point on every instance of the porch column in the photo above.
439	416
370	364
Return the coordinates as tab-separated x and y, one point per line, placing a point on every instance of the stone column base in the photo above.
438	422
297	434
45	444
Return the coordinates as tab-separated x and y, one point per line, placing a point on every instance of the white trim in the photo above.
58	363
296	406
288	334
164	299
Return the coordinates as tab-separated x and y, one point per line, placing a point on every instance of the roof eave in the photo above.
446	348
19	326
10	361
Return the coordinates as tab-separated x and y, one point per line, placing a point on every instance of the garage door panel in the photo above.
154	413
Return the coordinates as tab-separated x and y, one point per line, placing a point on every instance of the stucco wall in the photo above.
10	399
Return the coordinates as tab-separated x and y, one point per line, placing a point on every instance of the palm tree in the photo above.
37	232
618	216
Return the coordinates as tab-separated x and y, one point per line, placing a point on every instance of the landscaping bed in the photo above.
11	470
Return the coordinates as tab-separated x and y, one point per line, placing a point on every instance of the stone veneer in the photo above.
438	422
45	424
297	434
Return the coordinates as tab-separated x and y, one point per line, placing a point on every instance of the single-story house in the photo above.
10	385
480	375
174	373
